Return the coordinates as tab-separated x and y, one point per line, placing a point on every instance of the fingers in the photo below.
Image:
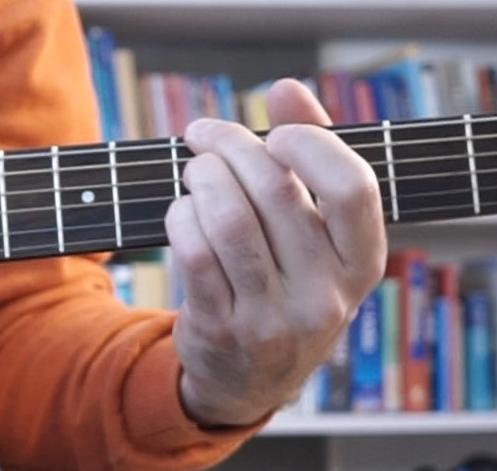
231	228
348	192
289	101
295	231
206	286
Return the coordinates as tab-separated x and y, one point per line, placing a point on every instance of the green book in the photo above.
389	293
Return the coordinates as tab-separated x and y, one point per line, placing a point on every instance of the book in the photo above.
446	279
149	286
101	47
335	392
399	90
479	381
409	268
479	275
128	93
389	293
366	356
442	380
338	97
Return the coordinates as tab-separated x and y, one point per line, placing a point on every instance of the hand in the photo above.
270	279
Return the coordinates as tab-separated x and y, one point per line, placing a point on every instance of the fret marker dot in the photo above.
88	197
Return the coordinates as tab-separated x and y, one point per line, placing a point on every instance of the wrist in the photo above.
209	409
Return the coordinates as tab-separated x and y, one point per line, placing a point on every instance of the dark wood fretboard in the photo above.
112	196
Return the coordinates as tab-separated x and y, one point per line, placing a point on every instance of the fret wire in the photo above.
115	193
387	136
3	208
174	160
57	198
468	131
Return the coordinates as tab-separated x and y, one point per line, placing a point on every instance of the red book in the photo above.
330	97
174	87
485	91
409	268
447	285
366	110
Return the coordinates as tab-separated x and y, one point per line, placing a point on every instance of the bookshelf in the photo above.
256	40
360	425
287	20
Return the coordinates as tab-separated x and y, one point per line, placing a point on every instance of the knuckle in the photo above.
234	225
196	259
253	281
281	190
178	214
358	193
326	313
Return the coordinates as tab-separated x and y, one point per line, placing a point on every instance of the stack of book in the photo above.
402	87
423	340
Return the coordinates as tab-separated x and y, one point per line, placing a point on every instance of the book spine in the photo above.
366	356
442	395
339	377
106	50
409	268
479	394
389	293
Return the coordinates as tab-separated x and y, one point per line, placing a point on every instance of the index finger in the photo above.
348	192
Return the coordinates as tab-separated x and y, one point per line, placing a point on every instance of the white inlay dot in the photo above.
88	197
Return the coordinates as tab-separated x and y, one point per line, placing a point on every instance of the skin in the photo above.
271	279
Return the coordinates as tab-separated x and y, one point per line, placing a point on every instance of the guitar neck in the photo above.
106	197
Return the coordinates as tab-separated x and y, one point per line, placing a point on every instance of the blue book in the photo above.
101	47
402	79
478	353
98	80
366	356
442	345
225	97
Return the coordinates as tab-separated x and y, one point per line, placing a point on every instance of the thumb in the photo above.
290	102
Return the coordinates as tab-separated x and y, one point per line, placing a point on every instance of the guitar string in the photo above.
434	209
163	236
171	198
111	241
65	207
143	163
355	146
83	227
387	214
130	147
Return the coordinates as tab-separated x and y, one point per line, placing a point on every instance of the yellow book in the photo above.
150	286
127	89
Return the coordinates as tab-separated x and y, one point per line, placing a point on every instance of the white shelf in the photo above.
347	425
291	20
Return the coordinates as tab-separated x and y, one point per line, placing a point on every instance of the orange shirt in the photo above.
85	383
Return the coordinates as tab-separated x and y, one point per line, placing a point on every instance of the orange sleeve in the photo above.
85	383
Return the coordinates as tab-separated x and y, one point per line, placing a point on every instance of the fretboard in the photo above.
107	197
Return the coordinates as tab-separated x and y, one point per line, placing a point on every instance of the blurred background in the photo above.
412	384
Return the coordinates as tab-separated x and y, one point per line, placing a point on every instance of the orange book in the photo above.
409	268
